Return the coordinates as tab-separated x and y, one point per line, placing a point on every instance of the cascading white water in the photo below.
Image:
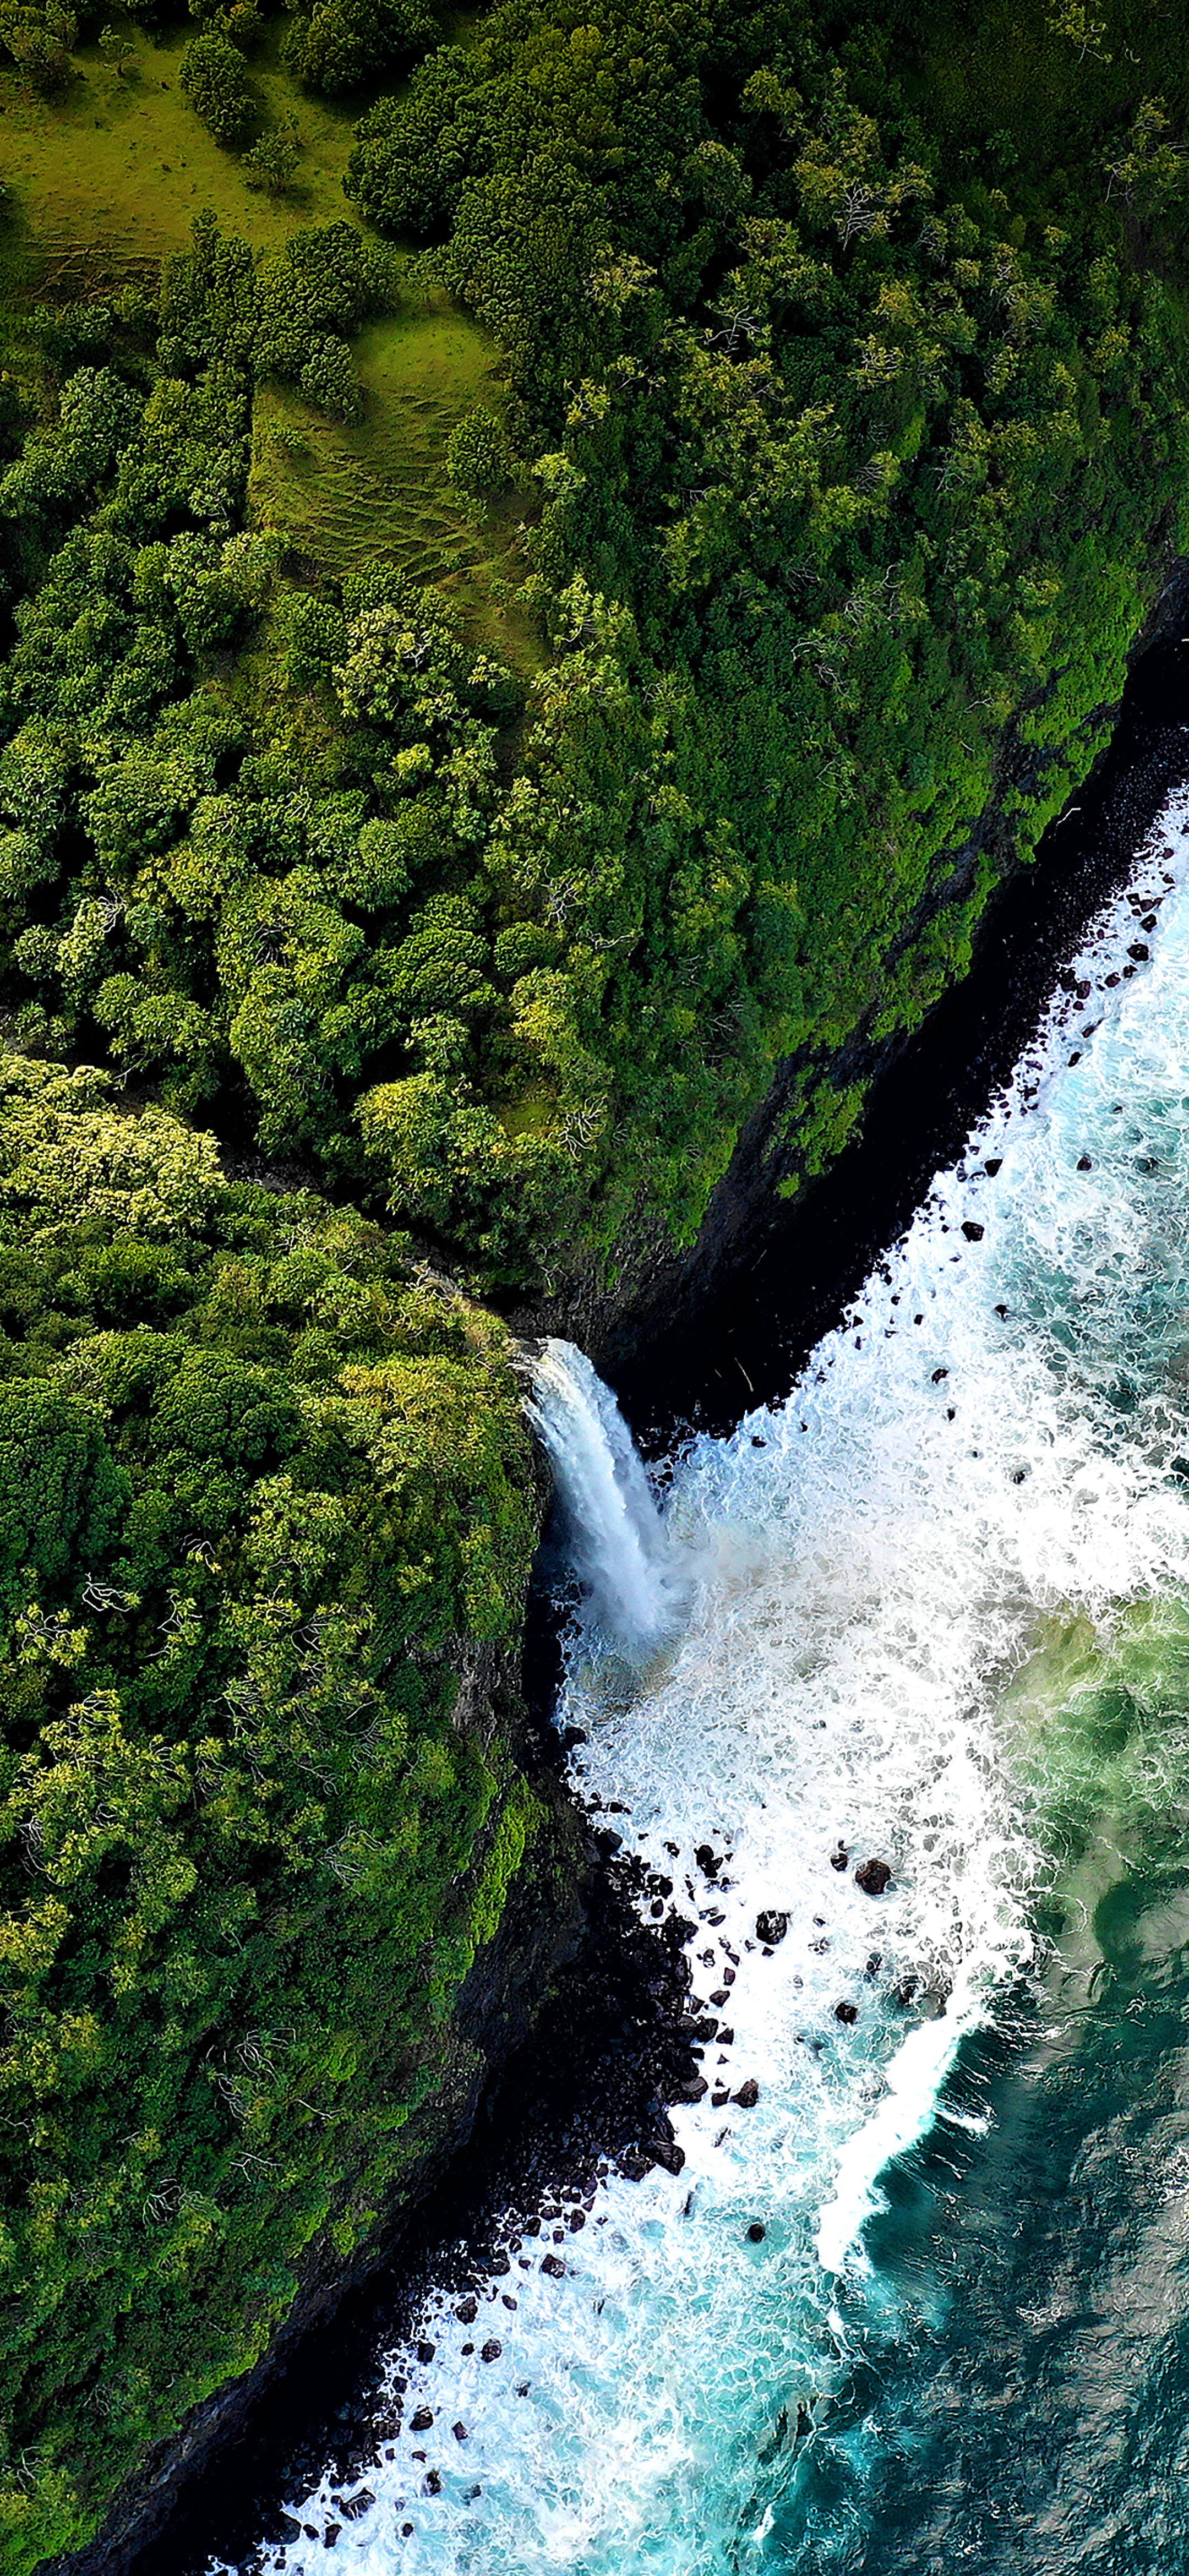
975	1465
616	1535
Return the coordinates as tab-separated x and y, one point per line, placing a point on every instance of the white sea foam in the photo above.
985	1442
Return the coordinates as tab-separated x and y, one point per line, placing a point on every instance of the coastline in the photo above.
725	1328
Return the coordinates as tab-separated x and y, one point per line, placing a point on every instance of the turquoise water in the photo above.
918	2303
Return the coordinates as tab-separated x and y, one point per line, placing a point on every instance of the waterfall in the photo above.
615	1531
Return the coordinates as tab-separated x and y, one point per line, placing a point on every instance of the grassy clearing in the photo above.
111	173
350	493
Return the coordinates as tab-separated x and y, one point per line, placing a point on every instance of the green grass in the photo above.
376	489
111	172
108	176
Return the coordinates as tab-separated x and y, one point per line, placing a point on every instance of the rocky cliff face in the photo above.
708	1330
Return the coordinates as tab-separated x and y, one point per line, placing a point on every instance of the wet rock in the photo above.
351	2507
938	1375
874	1964
460	2432
748	2095
666	2152
840	1859
634	2166
972	1230
717	2100
693	2090
577	2220
720	1998
330	2535
467	2311
433	2482
771	1927
425	2351
726	2038
873	1876
756	2232
709	1861
491	2351
996	1162
847	2013
422	2420
703	2030
1084	1163
1140	952
554	2266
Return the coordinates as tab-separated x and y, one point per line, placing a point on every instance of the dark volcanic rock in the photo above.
748	2094
846	2012
666	2152
771	1927
873	1876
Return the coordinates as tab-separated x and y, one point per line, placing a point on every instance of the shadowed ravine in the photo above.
914	2293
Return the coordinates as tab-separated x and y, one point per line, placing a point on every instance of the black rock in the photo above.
972	1230
873	1876
425	2352
467	2311
491	2352
756	2232
666	2152
709	1862
422	2420
748	2095
846	2012
460	2432
771	1927
554	2266
839	1858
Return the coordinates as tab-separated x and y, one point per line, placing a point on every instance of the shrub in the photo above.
480	457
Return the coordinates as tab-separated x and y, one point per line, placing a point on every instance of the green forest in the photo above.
550	560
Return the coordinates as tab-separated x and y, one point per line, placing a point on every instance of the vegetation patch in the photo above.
378	489
108	174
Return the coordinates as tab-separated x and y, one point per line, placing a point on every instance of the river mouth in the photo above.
941	1504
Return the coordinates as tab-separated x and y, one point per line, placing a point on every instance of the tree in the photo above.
217	85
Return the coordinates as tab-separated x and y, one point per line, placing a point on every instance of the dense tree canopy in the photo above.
255	1483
